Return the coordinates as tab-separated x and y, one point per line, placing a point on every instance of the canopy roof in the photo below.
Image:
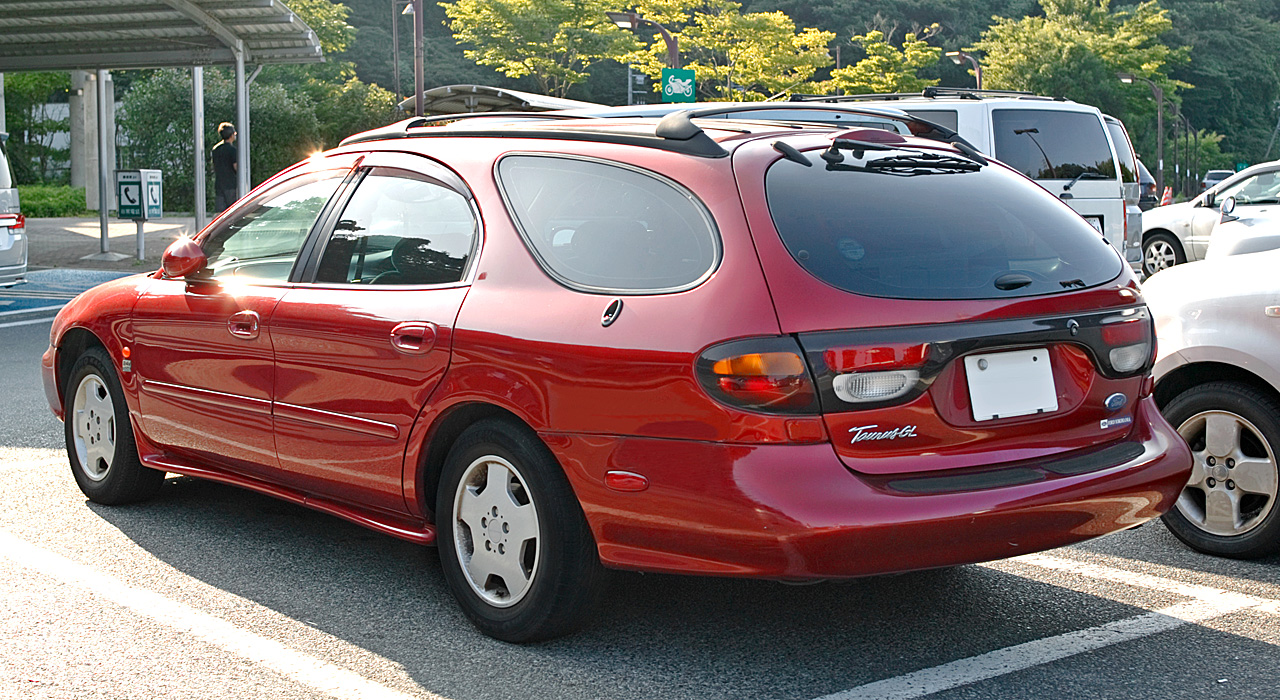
117	34
466	99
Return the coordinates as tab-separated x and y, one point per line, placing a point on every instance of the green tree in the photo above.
886	68
735	56
31	130
553	41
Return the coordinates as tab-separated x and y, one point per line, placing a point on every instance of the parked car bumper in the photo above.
48	374
795	512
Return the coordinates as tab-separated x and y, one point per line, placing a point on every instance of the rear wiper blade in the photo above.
911	165
1084	176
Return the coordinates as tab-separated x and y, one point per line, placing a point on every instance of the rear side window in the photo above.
1052	144
1124	149
928	233
603	227
6	177
941	117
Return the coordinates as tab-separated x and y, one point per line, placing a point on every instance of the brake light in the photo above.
760	374
874	357
1129	339
16	222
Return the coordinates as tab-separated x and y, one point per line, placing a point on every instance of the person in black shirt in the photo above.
224	168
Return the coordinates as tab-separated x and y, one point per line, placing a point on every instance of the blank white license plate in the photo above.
1096	222
1007	384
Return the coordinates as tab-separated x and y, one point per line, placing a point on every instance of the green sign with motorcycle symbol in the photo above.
677	85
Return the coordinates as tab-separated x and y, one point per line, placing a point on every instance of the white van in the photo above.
1065	146
13	239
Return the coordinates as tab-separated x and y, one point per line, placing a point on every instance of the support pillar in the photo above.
242	126
104	102
197	131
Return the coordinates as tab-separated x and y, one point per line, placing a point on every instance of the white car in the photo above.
1218	382
1243	228
13	243
1178	233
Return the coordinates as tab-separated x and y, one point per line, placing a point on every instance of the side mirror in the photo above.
182	258
1228	206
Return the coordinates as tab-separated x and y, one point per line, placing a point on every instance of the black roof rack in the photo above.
929	92
675	132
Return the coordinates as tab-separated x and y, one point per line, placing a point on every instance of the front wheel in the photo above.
1160	252
1228	508
100	445
514	544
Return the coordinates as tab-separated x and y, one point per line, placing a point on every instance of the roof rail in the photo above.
929	92
400	129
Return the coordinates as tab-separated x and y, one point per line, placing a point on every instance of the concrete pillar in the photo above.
2	126
90	143
197	137
242	127
79	127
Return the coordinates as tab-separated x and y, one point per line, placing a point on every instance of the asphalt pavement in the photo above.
209	591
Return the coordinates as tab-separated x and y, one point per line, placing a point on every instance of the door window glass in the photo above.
1263	188
263	242
400	228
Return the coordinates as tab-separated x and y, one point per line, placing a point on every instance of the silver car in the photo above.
13	238
1218	382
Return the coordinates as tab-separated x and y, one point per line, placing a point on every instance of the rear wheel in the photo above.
1228	507
100	445
513	541
1161	251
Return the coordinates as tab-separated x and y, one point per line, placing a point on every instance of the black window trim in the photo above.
716	239
444	177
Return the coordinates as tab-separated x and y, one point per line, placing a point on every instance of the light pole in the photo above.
411	7
1158	93
959	56
633	21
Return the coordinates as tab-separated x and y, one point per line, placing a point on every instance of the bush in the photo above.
51	200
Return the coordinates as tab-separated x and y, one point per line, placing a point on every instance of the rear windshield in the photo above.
1128	161
942	117
1052	144
931	233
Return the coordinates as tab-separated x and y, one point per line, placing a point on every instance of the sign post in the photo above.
677	85
140	196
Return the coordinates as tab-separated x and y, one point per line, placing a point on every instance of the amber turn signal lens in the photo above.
760	364
761	374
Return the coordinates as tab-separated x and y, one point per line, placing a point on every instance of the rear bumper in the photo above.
795	512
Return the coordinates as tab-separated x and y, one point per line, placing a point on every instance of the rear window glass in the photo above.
1052	144
1128	161
929	233
6	177
600	227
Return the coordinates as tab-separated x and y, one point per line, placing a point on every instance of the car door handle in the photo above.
244	325
414	337
1272	311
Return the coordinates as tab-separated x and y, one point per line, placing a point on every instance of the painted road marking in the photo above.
334	681
1206	604
28	322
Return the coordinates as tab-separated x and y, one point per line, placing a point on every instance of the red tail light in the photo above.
15	222
884	356
1130	340
760	374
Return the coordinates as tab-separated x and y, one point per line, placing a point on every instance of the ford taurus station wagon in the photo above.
705	346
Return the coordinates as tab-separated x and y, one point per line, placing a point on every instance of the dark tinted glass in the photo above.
1052	144
1128	161
263	241
603	227
941	117
932	235
399	228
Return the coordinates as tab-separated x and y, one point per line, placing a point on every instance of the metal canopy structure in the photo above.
102	35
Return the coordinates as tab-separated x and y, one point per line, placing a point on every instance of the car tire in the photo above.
1161	251
99	435
1229	507
532	531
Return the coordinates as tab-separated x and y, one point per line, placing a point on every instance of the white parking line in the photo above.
1206	603
325	677
28	322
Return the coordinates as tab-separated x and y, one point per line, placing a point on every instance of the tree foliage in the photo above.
887	68
552	41
31	128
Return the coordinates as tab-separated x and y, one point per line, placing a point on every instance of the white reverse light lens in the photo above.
863	387
1129	357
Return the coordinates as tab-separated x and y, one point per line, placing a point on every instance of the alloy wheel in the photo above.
1159	255
496	531
1233	485
94	427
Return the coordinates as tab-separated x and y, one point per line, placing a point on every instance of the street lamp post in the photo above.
411	7
1158	93
633	21
959	56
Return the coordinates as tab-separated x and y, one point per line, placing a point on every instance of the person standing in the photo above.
224	168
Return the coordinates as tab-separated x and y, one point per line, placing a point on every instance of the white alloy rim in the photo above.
1159	256
93	423
1233	480
496	532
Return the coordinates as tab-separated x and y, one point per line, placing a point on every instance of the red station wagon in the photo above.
734	348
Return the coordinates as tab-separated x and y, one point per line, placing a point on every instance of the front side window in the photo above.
262	243
601	227
897	224
400	228
1049	144
1263	188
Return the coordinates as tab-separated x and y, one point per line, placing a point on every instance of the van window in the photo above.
6	177
876	226
1124	149
1052	144
941	117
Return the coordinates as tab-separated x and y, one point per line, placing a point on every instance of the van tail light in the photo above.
16	223
758	374
873	373
1130	341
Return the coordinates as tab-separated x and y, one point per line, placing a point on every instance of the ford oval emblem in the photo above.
611	313
1116	401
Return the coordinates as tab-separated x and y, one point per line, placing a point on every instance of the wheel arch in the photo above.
1146	235
73	343
1182	378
